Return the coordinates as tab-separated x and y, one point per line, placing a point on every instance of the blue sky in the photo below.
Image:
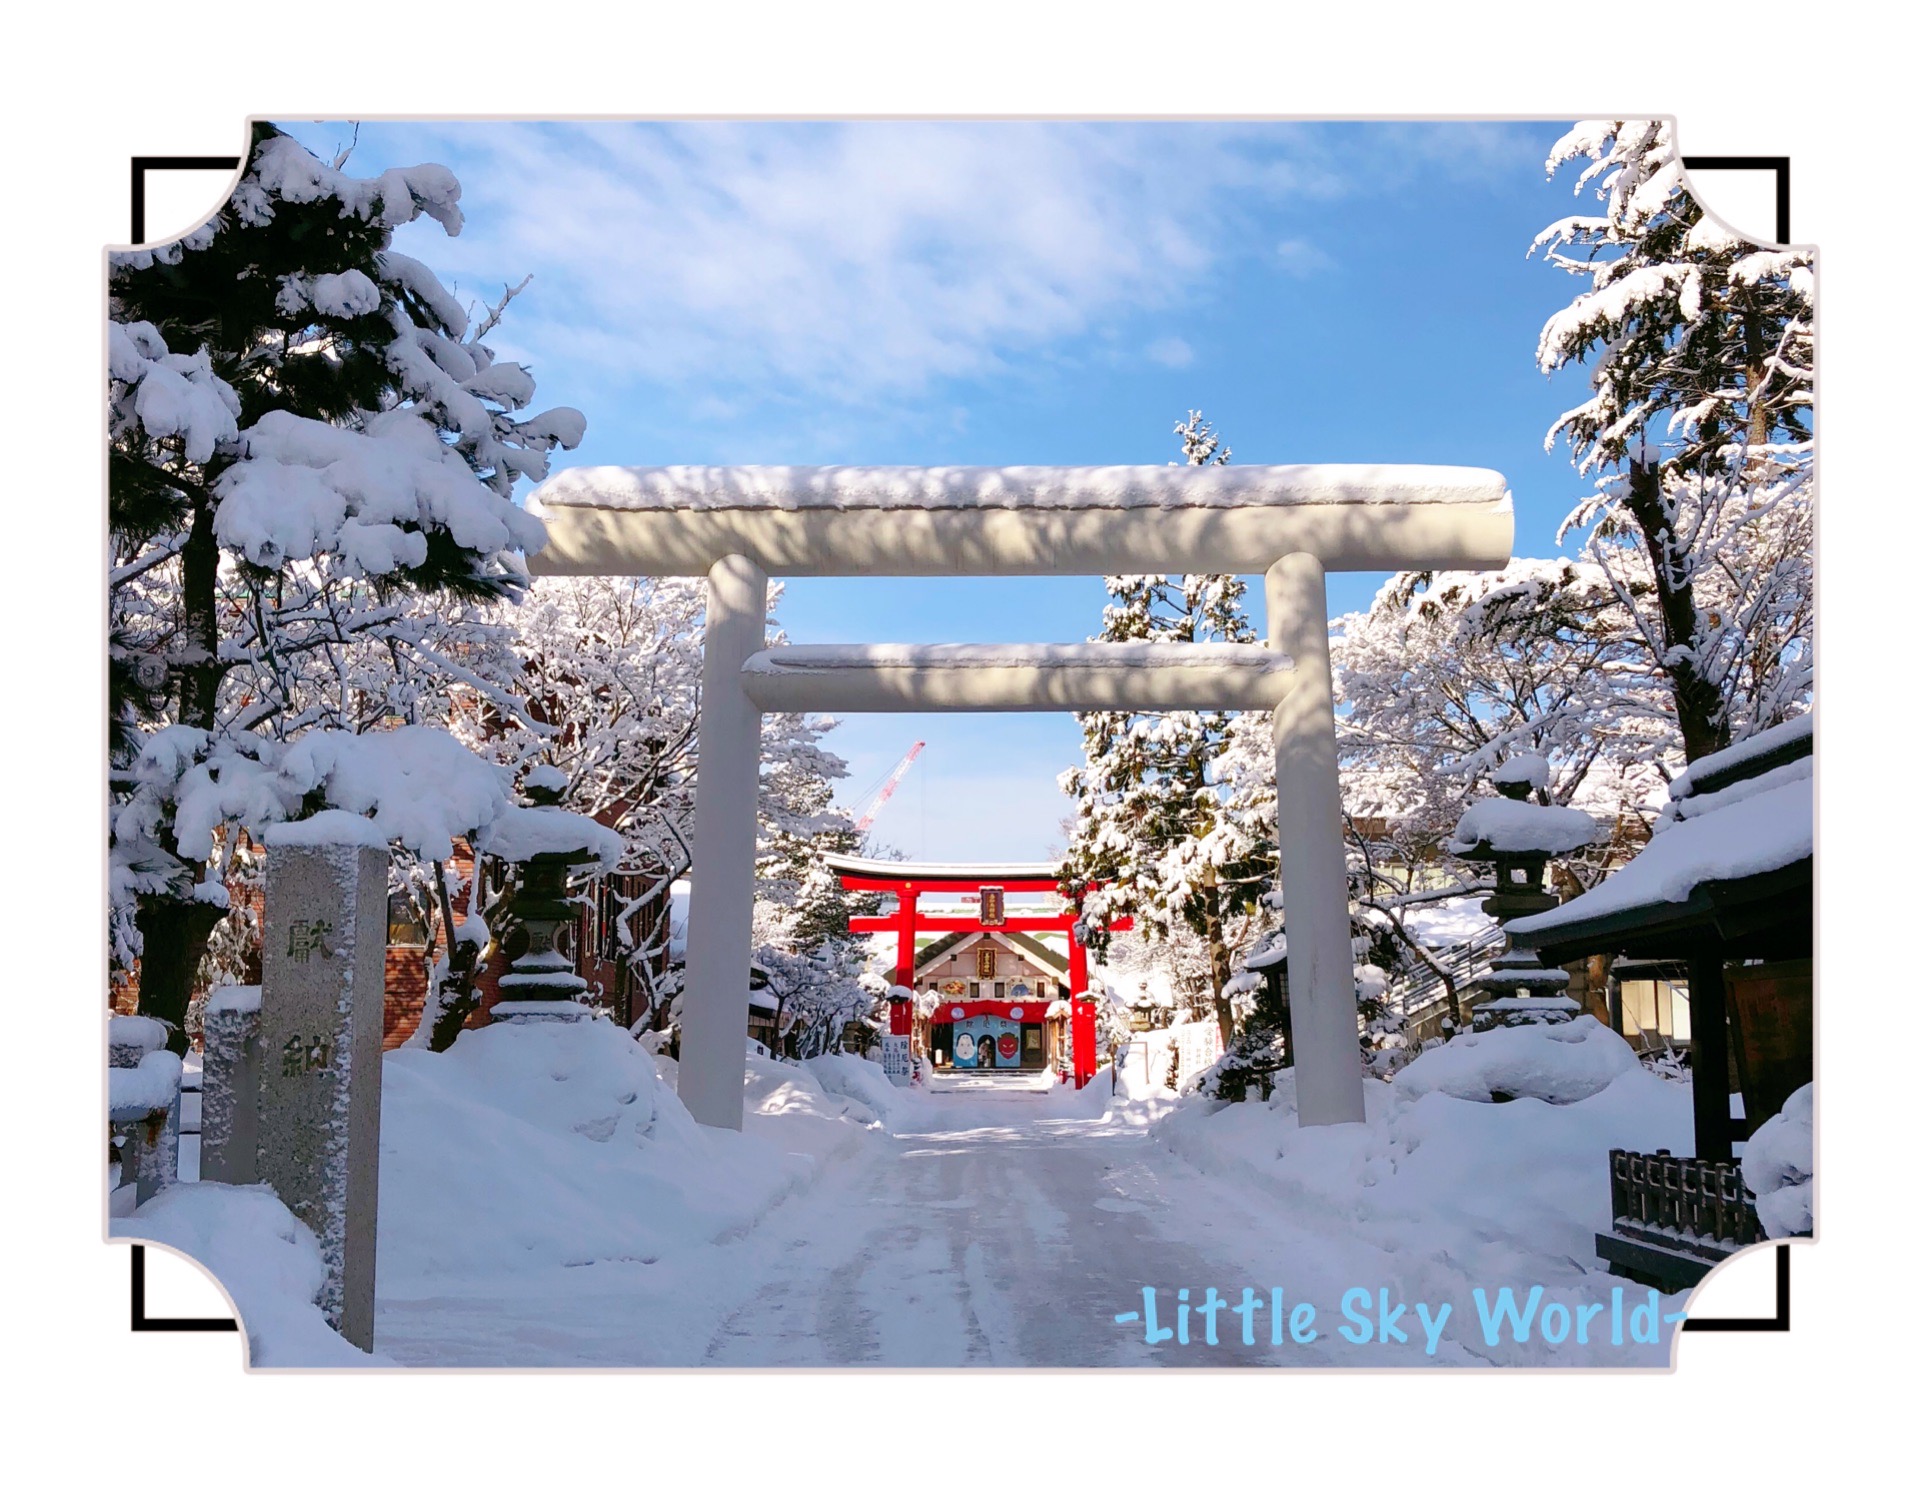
1013	293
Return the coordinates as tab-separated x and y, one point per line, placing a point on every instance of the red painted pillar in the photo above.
1083	1041
1083	1034
903	957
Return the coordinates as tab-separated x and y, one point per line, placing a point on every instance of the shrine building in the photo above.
1002	1002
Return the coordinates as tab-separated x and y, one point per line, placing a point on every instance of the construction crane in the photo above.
889	786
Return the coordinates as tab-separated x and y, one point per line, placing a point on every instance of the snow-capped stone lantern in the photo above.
1518	838
543	983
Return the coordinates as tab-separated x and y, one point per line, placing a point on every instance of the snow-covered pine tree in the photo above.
304	435
1699	429
1154	825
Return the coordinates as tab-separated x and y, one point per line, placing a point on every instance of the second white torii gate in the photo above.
738	525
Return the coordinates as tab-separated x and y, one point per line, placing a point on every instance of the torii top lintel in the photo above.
943	878
1022	519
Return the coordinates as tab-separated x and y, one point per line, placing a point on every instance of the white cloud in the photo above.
1299	259
838	261
804	267
1171	351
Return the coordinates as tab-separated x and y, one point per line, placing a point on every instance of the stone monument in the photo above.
230	1086
323	958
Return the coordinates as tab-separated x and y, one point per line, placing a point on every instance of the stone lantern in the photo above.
1517	839
542	984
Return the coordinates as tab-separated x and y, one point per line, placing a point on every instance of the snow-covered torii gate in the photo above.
740	525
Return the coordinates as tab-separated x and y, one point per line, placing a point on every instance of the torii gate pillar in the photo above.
903	957
1313	854
726	813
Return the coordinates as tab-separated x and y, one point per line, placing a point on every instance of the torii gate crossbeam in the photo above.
738	525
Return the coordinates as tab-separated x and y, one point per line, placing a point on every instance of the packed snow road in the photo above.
997	1222
1005	1240
1009	1234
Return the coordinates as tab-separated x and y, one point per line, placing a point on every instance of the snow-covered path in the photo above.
1009	1240
1008	1235
1010	1226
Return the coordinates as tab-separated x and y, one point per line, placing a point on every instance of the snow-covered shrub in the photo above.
1778	1167
1384	1044
859	1080
1246	1069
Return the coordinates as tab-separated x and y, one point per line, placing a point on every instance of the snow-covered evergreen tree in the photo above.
1698	429
1158	832
305	435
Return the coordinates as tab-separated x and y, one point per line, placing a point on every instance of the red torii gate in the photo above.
908	881
992	881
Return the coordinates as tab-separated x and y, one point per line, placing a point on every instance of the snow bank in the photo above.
1439	1194
1558	1063
1097	1096
531	1146
1778	1167
826	1106
961	487
268	1262
864	1083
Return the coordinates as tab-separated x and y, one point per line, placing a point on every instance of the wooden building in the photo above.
1725	889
